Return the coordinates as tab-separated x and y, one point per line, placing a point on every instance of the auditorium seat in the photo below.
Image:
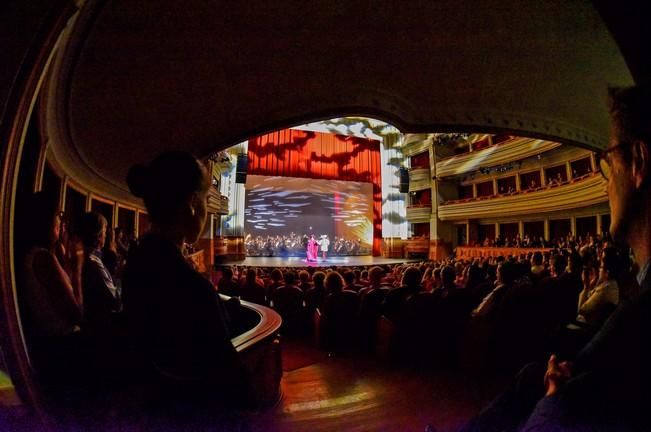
370	311
288	302
339	320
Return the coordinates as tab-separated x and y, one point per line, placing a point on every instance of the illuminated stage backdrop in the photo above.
281	205
315	155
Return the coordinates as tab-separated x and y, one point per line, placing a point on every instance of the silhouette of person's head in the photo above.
92	230
43	221
174	187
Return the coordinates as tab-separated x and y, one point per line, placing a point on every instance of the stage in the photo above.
338	261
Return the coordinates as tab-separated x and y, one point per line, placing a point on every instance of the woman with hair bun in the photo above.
178	323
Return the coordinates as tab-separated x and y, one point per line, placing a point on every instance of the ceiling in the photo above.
133	79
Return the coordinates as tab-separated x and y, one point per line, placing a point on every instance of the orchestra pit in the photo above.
402	216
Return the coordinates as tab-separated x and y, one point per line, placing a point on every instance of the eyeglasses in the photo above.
602	159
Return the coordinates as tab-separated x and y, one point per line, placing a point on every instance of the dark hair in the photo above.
630	109
476	275
411	277
90	228
290	277
349	277
318	278
228	273
251	274
167	183
537	258
559	264
276	275
334	281
508	272
448	275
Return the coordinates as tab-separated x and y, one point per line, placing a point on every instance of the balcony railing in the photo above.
419	179
419	213
580	192
217	203
502	153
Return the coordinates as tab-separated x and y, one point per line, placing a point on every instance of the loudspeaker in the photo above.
404	180
241	168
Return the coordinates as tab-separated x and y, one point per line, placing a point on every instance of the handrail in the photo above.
268	325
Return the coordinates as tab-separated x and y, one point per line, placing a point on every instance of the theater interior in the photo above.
468	123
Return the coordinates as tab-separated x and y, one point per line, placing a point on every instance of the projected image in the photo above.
282	212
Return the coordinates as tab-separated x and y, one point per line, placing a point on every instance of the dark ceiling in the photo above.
140	77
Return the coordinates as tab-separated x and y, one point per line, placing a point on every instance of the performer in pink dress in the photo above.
312	249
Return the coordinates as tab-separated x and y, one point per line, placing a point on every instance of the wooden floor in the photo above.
342	261
359	393
346	393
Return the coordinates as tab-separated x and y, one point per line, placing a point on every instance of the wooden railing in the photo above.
470	252
260	350
416	245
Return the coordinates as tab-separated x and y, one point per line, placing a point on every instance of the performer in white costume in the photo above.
324	243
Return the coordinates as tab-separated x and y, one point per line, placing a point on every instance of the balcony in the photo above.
581	192
419	179
419	213
508	151
217	203
416	143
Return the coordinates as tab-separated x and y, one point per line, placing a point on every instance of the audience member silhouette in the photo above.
51	307
177	321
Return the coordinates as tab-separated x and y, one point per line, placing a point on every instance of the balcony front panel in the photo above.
509	151
420	213
419	179
217	203
588	191
415	144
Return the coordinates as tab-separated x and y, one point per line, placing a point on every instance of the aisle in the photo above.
356	393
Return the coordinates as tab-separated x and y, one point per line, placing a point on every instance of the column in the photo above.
495	189
467	234
518	182
599	223
573	225
593	162
497	229
543	179
136	224
521	228
474	190
568	169
115	214
546	229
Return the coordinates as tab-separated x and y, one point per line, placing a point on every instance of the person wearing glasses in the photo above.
607	386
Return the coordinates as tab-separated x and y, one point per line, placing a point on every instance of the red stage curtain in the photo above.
306	154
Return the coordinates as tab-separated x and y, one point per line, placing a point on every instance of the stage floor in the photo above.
340	261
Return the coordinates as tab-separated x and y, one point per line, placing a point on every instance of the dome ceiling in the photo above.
140	77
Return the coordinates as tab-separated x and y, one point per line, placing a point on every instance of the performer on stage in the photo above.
324	243
312	249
